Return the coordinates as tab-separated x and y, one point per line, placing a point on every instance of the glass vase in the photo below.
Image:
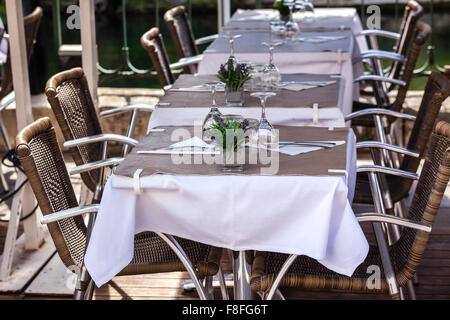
233	97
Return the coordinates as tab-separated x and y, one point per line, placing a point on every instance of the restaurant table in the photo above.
303	208
287	108
331	57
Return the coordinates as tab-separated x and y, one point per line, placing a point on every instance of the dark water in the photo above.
109	39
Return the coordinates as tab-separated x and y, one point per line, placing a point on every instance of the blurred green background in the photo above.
141	17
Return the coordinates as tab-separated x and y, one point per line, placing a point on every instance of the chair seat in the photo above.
153	255
397	189
307	273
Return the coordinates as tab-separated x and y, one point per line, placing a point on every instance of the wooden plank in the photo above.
53	280
27	264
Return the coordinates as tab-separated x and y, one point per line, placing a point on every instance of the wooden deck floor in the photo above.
434	277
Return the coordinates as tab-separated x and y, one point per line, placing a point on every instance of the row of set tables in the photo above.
298	202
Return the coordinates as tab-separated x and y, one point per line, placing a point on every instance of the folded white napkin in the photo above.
194	145
299	86
321	39
294	150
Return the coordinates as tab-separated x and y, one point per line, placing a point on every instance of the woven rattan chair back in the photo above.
152	41
71	102
421	35
436	91
31	24
427	199
181	32
413	12
42	160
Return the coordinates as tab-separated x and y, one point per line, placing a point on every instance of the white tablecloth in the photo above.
305	215
328	117
306	62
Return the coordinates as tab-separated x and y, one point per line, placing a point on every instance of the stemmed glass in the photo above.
292	28
271	74
209	119
308	8
264	127
231	39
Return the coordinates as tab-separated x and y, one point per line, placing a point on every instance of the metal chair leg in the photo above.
411	290
416	280
286	265
8	147
4	184
89	291
209	289
178	250
383	248
223	285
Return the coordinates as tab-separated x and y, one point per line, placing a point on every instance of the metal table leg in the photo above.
242	271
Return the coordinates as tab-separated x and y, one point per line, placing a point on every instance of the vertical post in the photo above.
56	6
19	65
89	45
226	11
219	15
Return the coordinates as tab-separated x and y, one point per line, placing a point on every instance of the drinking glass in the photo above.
264	128
308	9
209	119
271	74
292	28
277	29
231	38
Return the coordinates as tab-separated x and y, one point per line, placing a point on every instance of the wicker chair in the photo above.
412	14
402	81
398	263
42	160
436	91
181	32
152	42
31	24
71	102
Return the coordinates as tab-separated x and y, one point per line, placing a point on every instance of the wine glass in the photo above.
271	74
277	29
231	38
308	9
264	129
209	119
292	28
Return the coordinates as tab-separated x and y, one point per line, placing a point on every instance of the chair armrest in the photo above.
110	162
69	213
132	107
379	54
374	77
186	61
380	112
7	103
109	137
376	217
379	33
386	146
387	170
206	39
